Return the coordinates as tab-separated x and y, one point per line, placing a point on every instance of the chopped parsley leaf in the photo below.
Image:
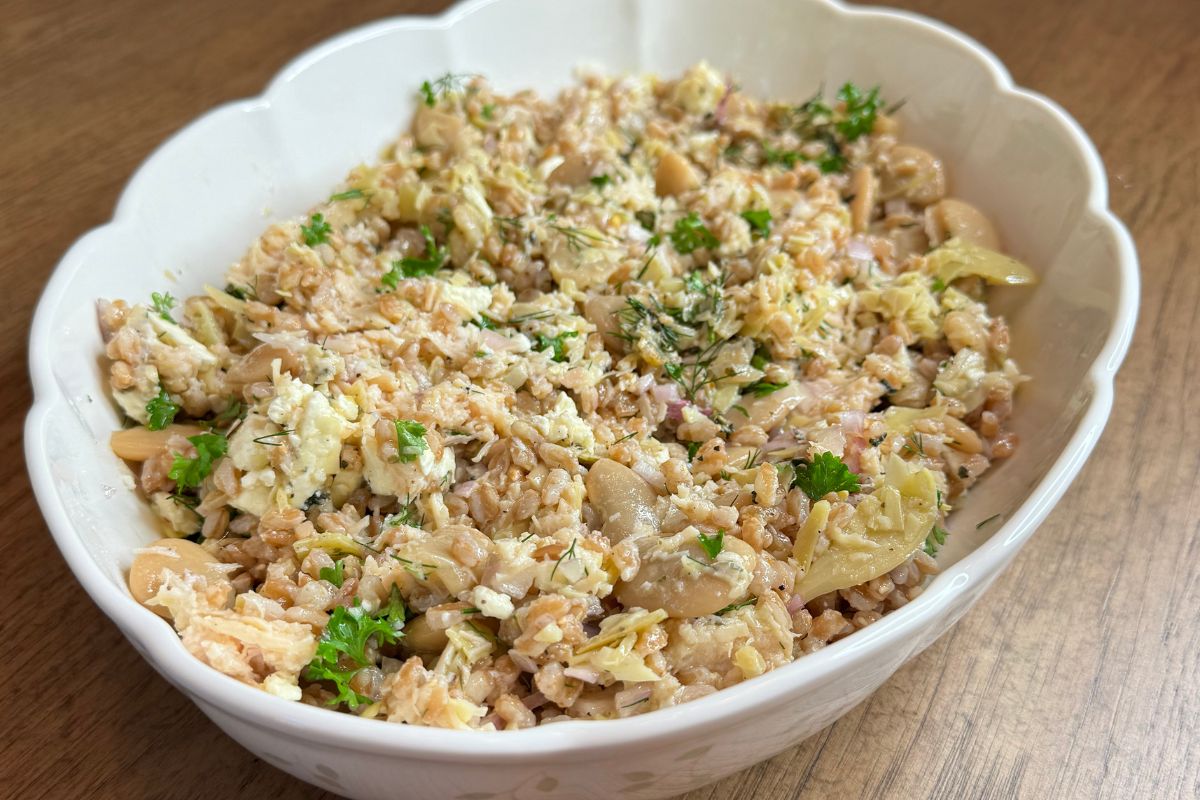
189	473
935	539
435	258
161	410
350	194
784	158
391	278
333	574
488	111
761	357
557	344
760	222
712	544
600	181
646	218
690	234
346	635
826	473
858	118
316	231
692	449
410	440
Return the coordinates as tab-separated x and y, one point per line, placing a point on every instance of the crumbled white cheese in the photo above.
492	603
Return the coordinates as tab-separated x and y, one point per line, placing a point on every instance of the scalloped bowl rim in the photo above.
257	707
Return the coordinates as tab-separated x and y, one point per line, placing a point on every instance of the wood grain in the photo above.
1078	675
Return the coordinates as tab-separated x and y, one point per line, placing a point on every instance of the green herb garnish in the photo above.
163	303
557	343
449	83
935	539
570	551
762	388
189	473
349	194
690	234
986	521
316	231
784	158
824	474
160	410
345	639
749	601
760	222
263	439
858	117
333	574
712	544
410	440
692	449
435	259
600	181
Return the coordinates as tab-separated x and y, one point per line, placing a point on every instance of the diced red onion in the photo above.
533	700
860	249
585	674
852	421
795	603
675	410
665	392
779	442
465	488
650	473
719	111
831	439
525	664
630	697
440	619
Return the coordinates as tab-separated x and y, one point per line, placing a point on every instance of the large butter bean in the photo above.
624	500
179	556
685	582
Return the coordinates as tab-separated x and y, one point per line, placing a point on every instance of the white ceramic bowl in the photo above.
210	190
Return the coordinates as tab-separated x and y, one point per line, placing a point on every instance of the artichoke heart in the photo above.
958	259
887	526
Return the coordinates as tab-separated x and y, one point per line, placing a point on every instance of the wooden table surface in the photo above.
1078	675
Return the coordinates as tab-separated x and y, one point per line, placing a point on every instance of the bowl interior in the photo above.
204	197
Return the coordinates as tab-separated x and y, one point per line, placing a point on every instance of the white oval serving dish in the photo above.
210	190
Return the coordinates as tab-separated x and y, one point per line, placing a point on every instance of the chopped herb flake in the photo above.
690	234
316	231
410	440
160	410
760	222
712	544
824	474
163	303
189	473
